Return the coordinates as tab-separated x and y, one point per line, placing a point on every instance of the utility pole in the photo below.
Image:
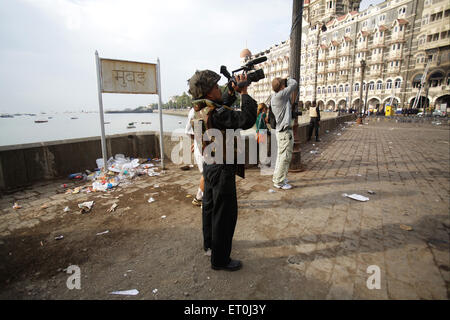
294	73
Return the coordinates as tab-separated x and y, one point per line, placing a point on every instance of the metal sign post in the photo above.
100	104
161	137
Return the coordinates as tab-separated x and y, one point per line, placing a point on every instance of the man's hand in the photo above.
240	78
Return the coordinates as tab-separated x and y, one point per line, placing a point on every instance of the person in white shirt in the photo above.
197	156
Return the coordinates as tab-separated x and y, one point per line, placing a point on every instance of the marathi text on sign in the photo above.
120	76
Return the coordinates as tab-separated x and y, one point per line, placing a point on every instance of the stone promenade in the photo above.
310	242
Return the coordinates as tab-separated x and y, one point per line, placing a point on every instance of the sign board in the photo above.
120	76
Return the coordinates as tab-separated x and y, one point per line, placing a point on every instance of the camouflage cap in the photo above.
202	82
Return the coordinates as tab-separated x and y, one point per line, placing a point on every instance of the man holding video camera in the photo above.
219	212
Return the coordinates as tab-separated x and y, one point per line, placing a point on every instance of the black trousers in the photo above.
313	124
219	211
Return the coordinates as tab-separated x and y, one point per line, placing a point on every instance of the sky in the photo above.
47	47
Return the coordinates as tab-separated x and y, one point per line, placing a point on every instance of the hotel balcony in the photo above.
435	44
322	57
344	66
331	68
321	69
393	70
344	52
320	81
398	37
374	73
331	78
342	77
396	55
376	59
332	54
378	43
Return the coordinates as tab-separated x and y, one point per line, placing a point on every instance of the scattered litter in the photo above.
151	200
191	166
59	237
132	292
405	227
355	196
156	186
314	151
66	209
42	244
44	206
338	134
163	217
100	233
371	192
271	191
16	206
327	131
86	206
188	196
155	291
113	207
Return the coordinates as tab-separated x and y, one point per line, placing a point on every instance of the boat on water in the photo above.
146	123
131	125
6	116
40	121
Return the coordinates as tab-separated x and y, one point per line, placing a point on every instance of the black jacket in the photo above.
223	118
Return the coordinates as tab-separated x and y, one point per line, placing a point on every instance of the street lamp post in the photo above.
363	67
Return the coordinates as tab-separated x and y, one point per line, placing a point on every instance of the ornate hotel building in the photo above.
379	54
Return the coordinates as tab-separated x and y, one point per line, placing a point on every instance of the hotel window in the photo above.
329	89
379	85
397	83
318	90
389	84
356	86
347	88
371	86
341	88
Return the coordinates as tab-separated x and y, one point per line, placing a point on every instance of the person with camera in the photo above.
282	109
219	211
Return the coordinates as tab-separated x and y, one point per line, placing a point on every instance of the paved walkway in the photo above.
310	242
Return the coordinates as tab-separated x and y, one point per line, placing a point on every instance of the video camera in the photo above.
254	76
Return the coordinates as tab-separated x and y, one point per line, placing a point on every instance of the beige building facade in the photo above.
377	56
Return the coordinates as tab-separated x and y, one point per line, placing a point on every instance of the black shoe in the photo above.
234	265
318	140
